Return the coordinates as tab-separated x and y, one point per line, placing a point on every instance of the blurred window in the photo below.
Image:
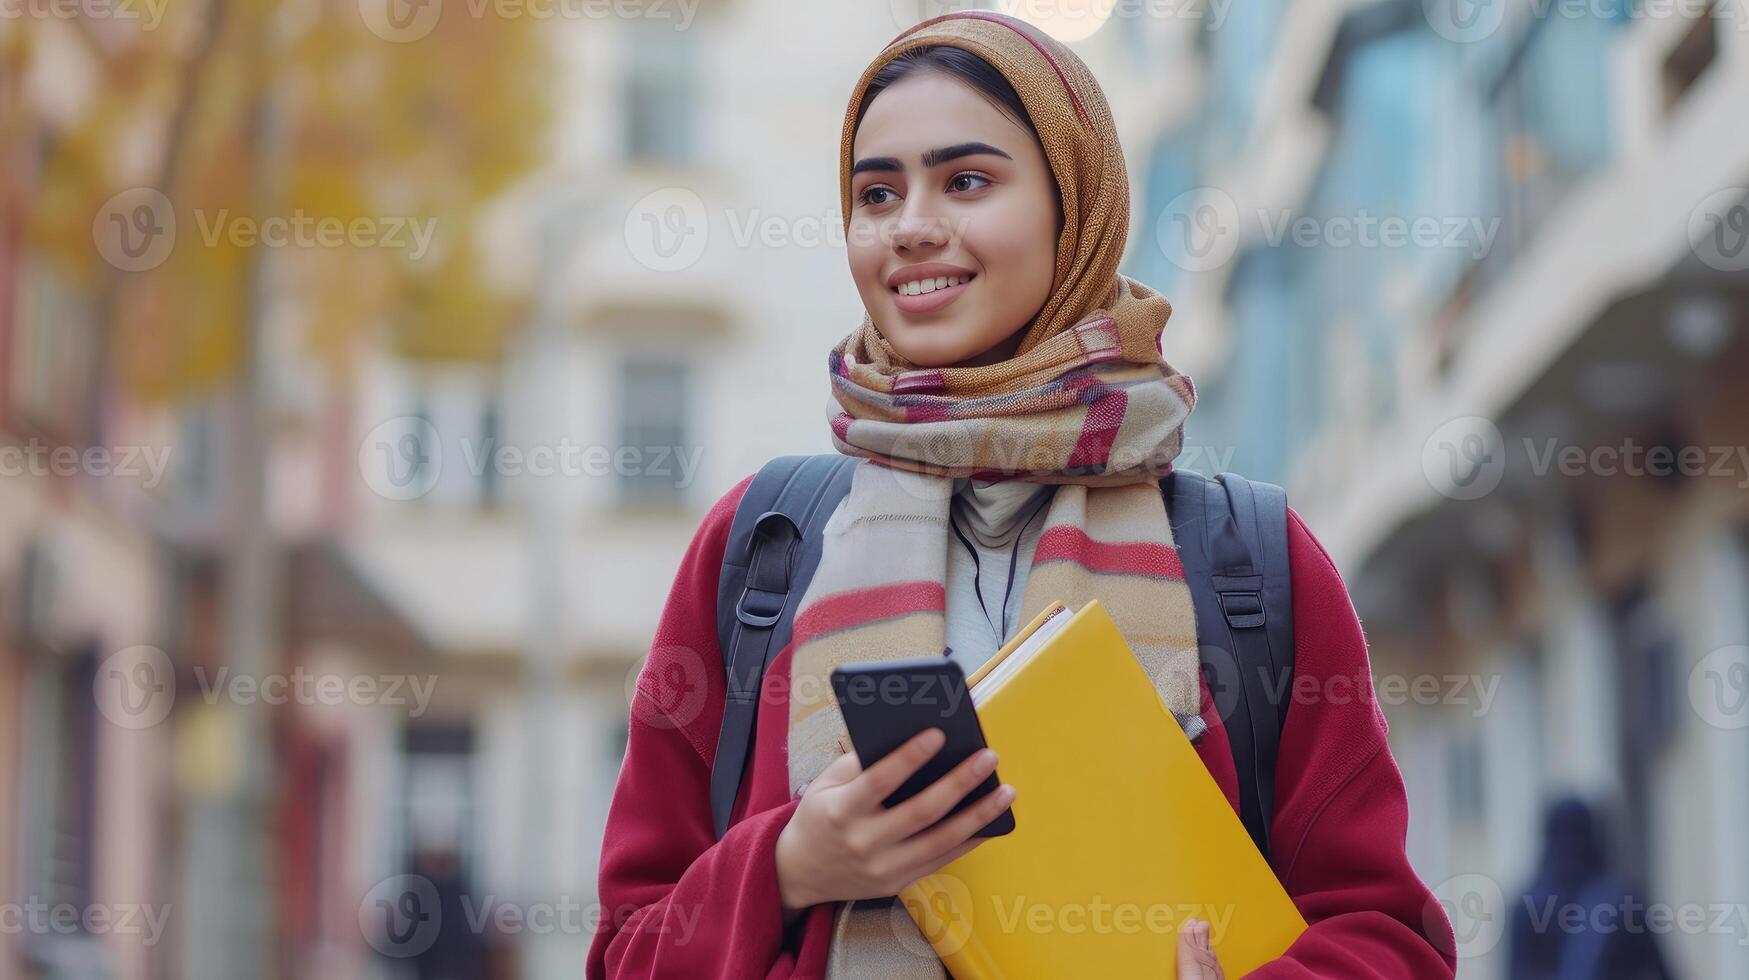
51	354
1551	106
1171	171
491	425
196	456
61	777
661	95
653	412
1464	770
1239	50
437	798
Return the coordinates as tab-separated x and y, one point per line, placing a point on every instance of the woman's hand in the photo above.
1196	959
842	844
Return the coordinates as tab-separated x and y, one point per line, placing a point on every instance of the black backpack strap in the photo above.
773	549
1232	538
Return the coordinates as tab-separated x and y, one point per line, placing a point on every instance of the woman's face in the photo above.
946	185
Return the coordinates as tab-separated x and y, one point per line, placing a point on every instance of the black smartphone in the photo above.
888	702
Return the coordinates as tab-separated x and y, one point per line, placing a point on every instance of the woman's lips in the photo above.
931	301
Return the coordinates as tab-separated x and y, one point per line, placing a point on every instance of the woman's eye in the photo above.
958	183
869	195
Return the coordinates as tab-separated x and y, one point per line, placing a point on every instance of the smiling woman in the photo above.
955	213
1010	414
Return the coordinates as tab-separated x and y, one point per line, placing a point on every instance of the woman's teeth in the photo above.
922	286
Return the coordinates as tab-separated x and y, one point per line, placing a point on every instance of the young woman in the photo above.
1008	393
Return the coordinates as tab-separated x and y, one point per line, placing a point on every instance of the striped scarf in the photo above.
1087	402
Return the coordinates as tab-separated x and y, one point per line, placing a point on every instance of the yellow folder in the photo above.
1120	833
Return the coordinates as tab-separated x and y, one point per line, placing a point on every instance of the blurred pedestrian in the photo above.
1577	919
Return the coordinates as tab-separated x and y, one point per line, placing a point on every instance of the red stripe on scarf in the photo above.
1099	430
1065	543
855	607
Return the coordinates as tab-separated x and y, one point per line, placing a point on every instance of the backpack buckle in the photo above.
1241	599
758	617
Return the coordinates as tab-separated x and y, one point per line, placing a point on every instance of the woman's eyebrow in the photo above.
931	158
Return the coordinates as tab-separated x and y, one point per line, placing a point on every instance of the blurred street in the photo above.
367	365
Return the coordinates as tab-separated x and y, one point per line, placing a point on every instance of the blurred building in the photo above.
1468	280
683	254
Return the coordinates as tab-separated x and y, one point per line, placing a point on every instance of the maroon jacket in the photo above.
677	903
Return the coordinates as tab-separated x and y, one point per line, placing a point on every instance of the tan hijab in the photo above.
1075	127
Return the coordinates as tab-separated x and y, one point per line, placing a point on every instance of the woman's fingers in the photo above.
932	804
928	846
878	781
1196	957
935	864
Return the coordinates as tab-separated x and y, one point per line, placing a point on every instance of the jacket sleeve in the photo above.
1341	816
675	901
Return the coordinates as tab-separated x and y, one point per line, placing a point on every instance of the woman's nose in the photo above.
919	231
